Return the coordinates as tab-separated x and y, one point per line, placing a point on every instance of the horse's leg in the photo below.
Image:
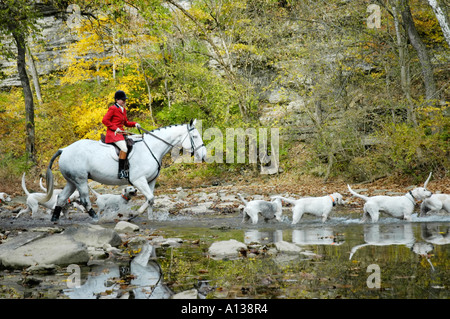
62	200
83	189
147	190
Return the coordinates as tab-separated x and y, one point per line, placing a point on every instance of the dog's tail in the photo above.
94	192
356	194
242	199
428	179
24	187
287	200
49	179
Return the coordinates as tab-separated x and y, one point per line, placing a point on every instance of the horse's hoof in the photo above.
56	214
93	214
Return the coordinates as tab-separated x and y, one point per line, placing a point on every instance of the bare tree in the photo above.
422	53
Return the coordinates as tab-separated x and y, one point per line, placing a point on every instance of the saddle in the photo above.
130	144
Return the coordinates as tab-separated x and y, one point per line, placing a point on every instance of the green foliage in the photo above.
412	150
217	60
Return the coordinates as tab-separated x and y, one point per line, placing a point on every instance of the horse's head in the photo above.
194	142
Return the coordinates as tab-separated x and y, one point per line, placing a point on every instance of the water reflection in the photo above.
306	236
317	236
385	235
421	243
142	278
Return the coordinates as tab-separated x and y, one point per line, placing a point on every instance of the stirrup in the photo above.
123	174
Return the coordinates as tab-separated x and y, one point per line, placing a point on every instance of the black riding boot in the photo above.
122	172
56	213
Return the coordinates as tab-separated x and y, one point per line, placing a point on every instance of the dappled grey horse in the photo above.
89	159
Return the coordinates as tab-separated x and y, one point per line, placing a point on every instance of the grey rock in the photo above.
94	235
226	249
57	249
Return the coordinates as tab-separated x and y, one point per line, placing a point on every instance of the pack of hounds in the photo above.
109	205
396	206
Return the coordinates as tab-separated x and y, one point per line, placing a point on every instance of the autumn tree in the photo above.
17	18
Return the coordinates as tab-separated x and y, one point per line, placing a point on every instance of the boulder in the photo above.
188	294
226	249
74	245
94	235
126	227
287	248
56	249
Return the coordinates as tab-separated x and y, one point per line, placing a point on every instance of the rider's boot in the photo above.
122	172
56	213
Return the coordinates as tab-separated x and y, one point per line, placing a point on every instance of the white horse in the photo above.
89	159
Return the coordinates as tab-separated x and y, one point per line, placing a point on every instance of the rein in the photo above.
169	144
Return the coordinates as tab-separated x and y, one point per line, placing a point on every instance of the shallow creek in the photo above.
342	258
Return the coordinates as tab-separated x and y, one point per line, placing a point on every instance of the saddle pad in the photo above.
114	151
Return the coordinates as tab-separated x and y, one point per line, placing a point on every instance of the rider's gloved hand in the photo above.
137	125
118	130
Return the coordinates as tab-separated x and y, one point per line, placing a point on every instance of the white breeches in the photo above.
122	145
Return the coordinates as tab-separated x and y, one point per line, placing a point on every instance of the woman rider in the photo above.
115	120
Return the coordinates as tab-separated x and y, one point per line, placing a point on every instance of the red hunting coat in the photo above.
114	119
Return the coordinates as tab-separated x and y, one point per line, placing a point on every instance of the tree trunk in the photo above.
442	19
28	96
419	46
405	79
35	76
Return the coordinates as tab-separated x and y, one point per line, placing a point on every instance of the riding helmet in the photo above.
120	95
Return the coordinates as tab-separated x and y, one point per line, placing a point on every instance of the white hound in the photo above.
319	206
34	200
4	198
396	206
268	210
435	204
114	203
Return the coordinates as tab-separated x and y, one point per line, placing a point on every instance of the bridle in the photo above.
193	148
191	138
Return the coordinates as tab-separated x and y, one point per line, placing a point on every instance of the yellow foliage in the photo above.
87	117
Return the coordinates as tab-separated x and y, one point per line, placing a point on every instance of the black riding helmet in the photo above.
120	95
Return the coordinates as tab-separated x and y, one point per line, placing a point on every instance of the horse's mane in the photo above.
165	127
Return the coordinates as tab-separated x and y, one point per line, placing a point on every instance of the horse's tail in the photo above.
24	187
356	194
242	199
49	178
42	186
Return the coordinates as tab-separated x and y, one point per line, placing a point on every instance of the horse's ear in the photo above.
192	123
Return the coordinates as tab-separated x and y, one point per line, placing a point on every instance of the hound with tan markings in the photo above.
396	206
268	210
